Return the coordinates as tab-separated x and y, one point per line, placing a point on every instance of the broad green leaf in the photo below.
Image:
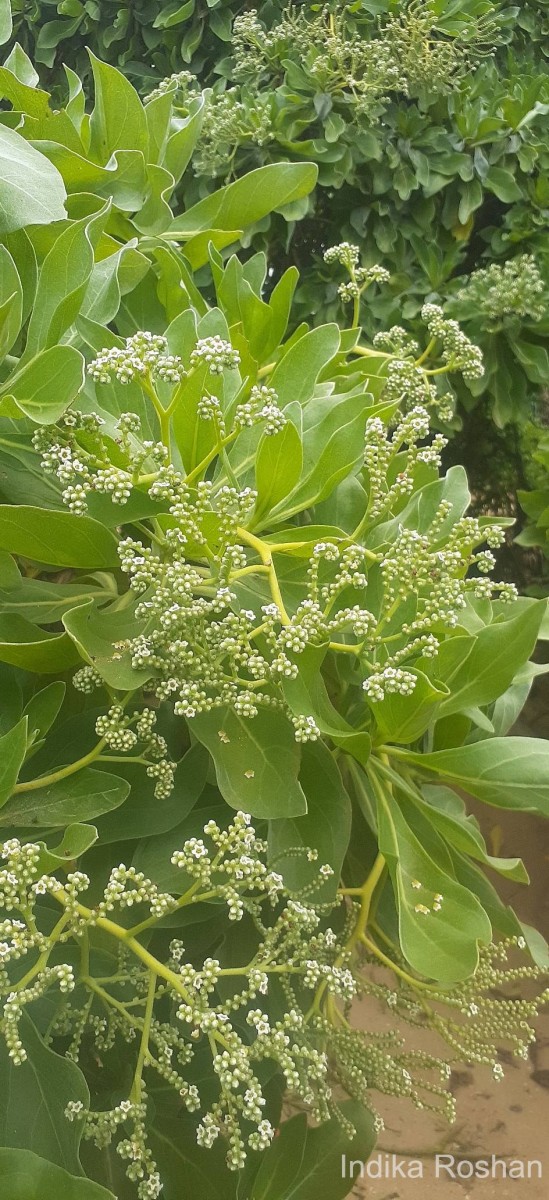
277	469
11	302
59	539
333	445
307	696
440	943
247	200
5	21
446	810
13	747
33	1100
508	772
43	708
118	119
32	191
142	815
326	1148
153	855
256	761
62	282
295	376
281	1164
25	645
405	718
26	1176
38	600
76	799
187	1169
98	635
45	387
30	100
76	840
494	659
326	827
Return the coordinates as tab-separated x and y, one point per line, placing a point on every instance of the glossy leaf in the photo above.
45	386
75	799
441	943
31	189
256	762
505	772
26	1176
249	199
59	539
33	1100
326	827
13	747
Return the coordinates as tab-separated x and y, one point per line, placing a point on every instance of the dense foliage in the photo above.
426	118
251	659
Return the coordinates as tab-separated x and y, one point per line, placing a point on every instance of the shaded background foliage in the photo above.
435	169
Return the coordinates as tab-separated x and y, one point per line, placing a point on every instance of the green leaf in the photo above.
118	120
77	798
326	827
307	696
142	815
33	1100
502	183
318	1170
76	840
32	191
43	708
5	21
11	302
38	600
510	772
295	376
441	943
281	1164
333	445
25	1176
45	387
96	633
446	810
58	539
62	282
256	761
13	748
277	468
249	199
405	718
499	650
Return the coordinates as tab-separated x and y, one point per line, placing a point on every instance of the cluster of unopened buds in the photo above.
296	945
144	354
511	289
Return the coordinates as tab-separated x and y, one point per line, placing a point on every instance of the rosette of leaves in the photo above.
234	580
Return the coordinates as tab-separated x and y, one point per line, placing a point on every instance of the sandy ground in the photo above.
508	1119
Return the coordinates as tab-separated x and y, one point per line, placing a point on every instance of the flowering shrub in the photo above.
275	661
426	119
272	608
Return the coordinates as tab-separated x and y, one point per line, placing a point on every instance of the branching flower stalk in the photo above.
167	1008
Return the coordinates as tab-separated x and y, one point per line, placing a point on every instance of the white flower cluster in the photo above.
144	354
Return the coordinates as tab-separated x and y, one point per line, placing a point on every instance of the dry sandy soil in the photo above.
508	1119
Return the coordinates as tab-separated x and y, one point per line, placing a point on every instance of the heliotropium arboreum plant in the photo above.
277	660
